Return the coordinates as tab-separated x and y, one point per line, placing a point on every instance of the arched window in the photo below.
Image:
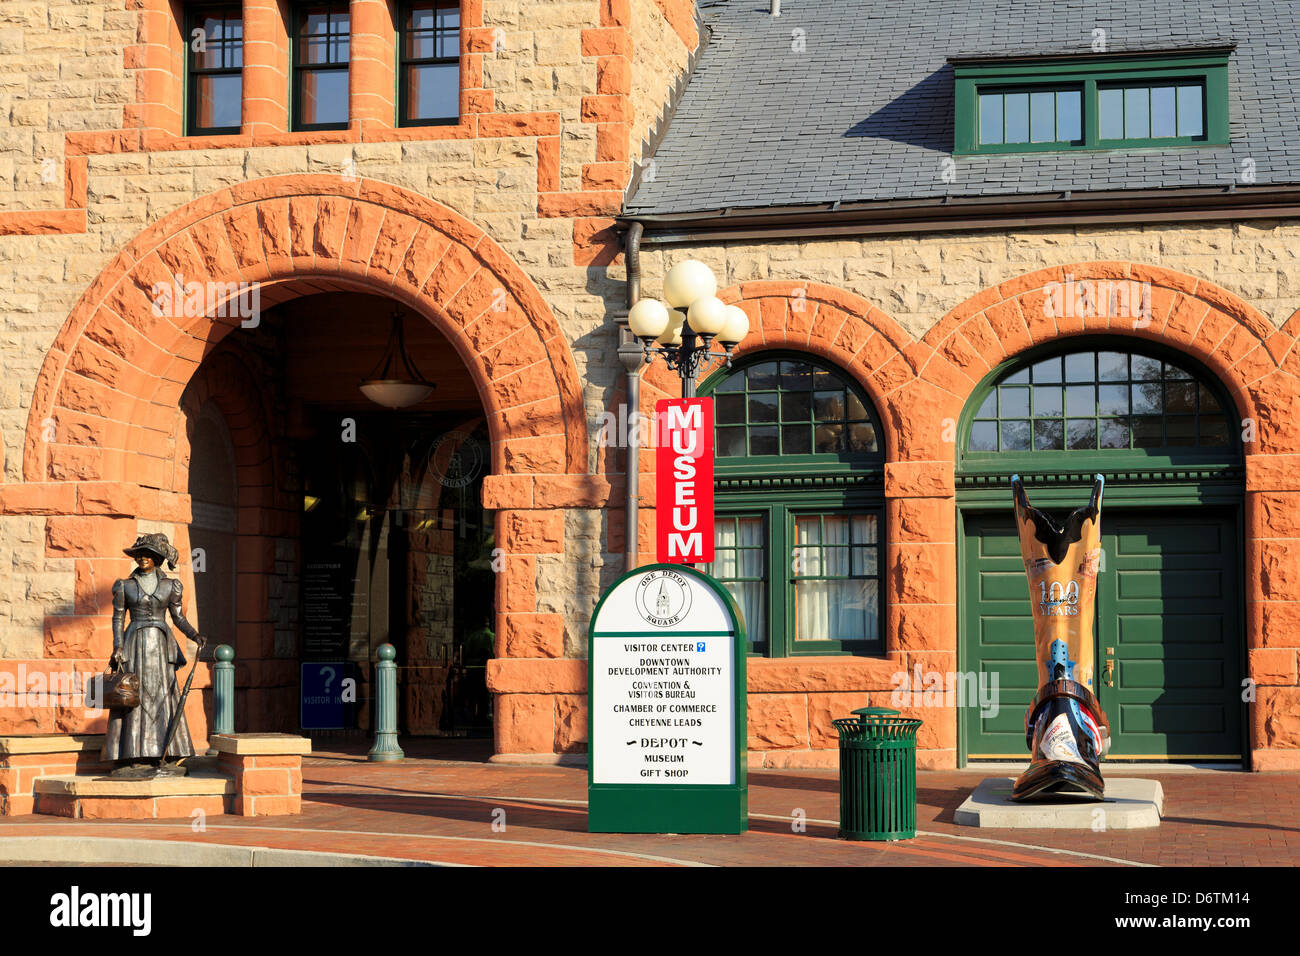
799	510
1142	404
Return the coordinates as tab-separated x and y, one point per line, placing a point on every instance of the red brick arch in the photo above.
114	374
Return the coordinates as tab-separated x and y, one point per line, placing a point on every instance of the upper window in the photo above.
1102	401
1098	103
429	77
214	68
320	66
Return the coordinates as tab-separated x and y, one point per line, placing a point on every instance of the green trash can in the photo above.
877	775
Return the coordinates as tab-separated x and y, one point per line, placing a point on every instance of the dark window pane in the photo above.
829	438
1081	433
1214	431
764	441
1209	403
1114	433
796	439
1081	367
1180	396
218	101
1019	377
1015	436
1110	110
1048	434
314	51
1145	369
1069	116
1163	121
1047	372
984	436
1047	401
1180	430
732	383
1113	399
1014	401
796	407
796	375
829	406
857	411
731	442
1042	116
433	91
1146	398
991	118
1191	119
730	409
1174	372
1147	433
862	438
1112	366
762	376
1016	121
324	97
1081	400
762	407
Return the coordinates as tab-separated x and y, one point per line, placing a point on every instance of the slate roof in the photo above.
866	113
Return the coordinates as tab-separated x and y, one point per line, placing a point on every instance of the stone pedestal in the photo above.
25	758
89	797
1130	804
267	771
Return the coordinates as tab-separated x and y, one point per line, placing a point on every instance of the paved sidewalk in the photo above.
444	811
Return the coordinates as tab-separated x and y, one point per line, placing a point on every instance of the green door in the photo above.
1168	614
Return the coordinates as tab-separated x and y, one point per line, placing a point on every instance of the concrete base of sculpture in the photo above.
1130	804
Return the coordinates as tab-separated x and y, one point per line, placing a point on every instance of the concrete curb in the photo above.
81	849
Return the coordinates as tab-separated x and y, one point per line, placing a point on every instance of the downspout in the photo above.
630	353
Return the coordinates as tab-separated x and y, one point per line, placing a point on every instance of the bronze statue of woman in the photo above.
147	648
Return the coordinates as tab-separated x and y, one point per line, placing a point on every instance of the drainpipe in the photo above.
776	8
630	353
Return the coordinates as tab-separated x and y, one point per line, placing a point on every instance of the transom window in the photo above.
1098	400
798	529
1094	103
429	86
215	62
320	63
791	407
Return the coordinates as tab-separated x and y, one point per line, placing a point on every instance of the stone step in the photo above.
98	797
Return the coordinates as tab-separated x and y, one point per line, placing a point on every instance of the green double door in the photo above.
1169	613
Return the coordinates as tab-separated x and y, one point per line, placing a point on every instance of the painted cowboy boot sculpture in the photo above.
1065	728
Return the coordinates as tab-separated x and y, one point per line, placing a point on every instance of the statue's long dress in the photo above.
151	652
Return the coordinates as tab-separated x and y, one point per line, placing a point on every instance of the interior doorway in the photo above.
353	525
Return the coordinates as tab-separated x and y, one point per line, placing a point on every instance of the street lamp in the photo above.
683	330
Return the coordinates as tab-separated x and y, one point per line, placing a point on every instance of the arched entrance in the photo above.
179	311
1170	639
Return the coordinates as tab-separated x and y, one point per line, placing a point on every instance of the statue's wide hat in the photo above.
156	545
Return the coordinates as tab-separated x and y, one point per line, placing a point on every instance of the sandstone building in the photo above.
967	248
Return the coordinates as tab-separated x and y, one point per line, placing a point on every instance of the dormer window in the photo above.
1022	105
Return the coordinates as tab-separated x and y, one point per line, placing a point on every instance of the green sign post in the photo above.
666	714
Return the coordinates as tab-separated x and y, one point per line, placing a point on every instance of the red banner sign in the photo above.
684	481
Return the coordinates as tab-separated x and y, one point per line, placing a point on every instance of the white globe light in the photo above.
736	326
707	315
672	335
688	281
648	318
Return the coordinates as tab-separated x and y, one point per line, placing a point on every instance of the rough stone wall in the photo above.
659	57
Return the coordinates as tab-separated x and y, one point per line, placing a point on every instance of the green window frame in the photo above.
321	47
1194	85
214	69
799	535
1131	405
428	57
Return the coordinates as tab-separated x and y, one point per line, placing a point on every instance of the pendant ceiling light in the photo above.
395	381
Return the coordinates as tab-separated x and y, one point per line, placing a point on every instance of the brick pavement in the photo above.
432	808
